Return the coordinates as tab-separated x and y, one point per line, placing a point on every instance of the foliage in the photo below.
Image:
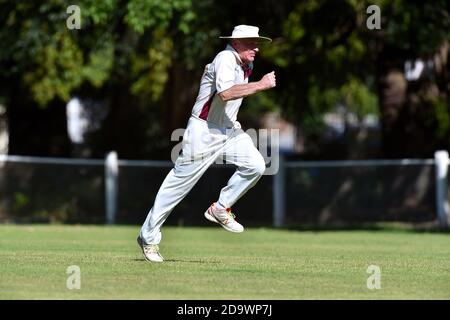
322	52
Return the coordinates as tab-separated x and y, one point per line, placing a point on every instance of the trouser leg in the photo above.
175	187
241	152
201	147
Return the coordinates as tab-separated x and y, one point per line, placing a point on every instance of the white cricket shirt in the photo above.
225	71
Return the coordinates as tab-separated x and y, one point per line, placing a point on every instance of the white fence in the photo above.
441	162
112	163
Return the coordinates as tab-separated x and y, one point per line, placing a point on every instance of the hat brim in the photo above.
259	39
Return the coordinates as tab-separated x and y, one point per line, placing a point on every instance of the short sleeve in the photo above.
225	64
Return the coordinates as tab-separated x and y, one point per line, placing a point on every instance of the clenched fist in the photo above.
268	81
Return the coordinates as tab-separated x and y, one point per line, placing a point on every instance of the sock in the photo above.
219	206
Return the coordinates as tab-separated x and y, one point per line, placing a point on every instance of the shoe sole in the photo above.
211	218
139	241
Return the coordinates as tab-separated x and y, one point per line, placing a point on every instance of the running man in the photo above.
213	132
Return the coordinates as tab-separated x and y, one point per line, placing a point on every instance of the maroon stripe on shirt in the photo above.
247	71
205	110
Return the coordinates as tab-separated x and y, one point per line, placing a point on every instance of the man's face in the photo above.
246	48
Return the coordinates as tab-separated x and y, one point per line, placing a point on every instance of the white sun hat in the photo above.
246	32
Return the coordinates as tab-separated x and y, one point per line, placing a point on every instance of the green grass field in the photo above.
210	263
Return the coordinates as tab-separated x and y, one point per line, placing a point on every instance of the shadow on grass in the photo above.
381	226
423	227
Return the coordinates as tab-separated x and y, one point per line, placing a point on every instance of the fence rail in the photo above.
112	164
42	160
359	163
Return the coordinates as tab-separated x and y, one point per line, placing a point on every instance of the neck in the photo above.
244	62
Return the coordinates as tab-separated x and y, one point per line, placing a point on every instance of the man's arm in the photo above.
243	90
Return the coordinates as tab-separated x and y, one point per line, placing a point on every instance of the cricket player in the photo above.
213	132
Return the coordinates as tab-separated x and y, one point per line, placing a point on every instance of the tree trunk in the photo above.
408	111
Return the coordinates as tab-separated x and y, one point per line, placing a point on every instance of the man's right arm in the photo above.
243	90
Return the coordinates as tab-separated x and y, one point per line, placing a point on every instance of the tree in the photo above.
415	114
327	58
143	58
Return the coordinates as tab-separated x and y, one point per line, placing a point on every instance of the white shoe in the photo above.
224	217
151	251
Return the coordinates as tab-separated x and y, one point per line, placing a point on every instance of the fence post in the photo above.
111	186
442	161
279	197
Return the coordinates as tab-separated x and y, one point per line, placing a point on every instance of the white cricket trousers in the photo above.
204	143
